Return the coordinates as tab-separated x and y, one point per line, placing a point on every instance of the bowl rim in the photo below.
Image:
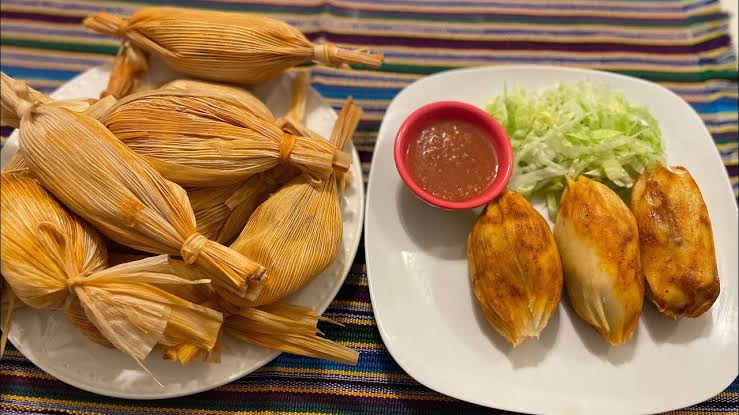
499	139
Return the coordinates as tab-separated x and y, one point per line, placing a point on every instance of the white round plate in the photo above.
432	325
55	346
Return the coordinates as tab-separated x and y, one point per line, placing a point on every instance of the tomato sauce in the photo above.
452	160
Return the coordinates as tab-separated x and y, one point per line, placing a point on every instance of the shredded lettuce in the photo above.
584	128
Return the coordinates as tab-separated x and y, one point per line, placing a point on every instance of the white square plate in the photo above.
430	320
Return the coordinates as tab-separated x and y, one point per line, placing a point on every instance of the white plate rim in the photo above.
368	229
320	308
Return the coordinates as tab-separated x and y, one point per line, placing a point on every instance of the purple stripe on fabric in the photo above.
41	17
462	44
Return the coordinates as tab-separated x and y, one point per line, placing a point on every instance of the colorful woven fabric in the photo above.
681	44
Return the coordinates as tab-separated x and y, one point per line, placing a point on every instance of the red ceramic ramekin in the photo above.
454	110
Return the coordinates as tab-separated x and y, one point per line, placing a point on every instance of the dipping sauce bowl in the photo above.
453	155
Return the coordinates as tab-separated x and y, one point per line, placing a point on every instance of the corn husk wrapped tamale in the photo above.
515	268
297	231
676	242
222	212
52	260
96	176
228	47
598	242
202	138
129	64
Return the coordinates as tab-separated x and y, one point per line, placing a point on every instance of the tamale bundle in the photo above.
96	176
296	233
222	212
51	260
229	47
199	137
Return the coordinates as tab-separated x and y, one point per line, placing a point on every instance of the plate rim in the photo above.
354	248
368	229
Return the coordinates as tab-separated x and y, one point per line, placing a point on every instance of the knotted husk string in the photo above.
96	176
223	46
51	259
204	138
129	64
296	232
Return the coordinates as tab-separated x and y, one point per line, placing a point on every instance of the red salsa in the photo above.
452	160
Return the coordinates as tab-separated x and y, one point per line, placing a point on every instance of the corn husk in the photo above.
16	163
129	64
242	96
8	303
81	163
202	138
297	231
222	212
288	328
284	327
51	259
8	113
228	47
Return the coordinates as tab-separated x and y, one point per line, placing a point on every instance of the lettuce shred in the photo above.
568	130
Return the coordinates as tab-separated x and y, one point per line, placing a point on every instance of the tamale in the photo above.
96	176
129	64
50	258
222	46
297	231
598	243
515	268
206	138
222	212
676	242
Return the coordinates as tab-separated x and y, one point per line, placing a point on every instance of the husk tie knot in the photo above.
24	109
326	54
25	105
192	247
286	147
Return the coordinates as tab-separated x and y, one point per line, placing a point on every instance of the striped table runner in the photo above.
681	44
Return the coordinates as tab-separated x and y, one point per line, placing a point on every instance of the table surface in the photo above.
681	44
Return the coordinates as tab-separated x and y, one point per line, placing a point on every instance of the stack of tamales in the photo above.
90	170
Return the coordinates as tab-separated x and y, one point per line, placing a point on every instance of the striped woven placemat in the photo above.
681	44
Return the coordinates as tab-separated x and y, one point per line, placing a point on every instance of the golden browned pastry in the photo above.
599	245
676	240
515	268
